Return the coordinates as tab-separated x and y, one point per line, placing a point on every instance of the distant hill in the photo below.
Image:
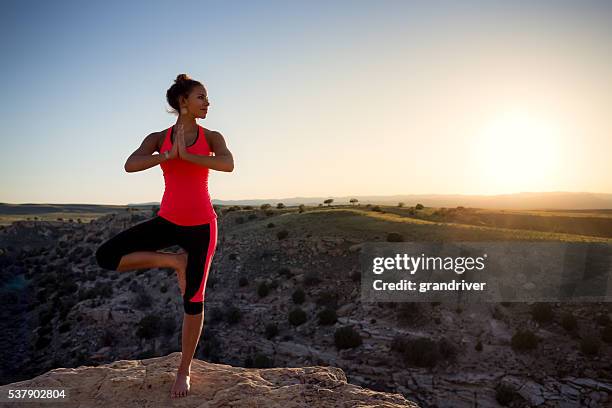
519	201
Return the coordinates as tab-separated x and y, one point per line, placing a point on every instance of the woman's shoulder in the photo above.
160	135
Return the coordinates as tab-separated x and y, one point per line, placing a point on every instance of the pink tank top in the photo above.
186	199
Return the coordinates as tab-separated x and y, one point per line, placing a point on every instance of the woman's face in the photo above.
197	103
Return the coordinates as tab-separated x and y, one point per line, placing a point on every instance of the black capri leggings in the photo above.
199	241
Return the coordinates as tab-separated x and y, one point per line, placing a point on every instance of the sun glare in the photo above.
518	152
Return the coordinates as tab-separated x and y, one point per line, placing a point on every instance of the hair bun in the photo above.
182	77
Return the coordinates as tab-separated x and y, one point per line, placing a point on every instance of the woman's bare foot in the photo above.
181	386
181	267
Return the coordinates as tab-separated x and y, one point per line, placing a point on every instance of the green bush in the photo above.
424	352
328	298
395	237
149	326
271	330
569	322
263	289
233	314
590	345
143	301
542	312
168	326
346	337
297	316
311	279
524	340
606	333
298	296
261	361
286	272
327	317
410	313
505	395
42	342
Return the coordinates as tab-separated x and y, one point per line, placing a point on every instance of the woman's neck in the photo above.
189	123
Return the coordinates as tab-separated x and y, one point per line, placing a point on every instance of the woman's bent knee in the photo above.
107	258
193	308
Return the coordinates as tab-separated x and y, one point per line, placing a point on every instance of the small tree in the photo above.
353	201
328	201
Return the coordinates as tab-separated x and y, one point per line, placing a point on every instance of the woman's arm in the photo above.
143	157
222	160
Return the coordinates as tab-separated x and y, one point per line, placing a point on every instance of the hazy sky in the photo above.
313	98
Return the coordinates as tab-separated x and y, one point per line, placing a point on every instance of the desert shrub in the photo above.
606	333
282	234
262	361
505	394
284	271
328	298
233	314
297	316
590	345
327	316
240	220
149	326
602	319
424	352
298	296
410	313
252	216
168	325
542	312
211	346
569	322
311	278
395	237
346	337
419	207
271	330
524	340
142	300
42	342
263	289
216	314
270	225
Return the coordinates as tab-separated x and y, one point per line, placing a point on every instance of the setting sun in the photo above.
517	152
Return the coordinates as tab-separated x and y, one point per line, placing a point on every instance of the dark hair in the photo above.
182	86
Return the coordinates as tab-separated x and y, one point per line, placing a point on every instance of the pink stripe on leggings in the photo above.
212	245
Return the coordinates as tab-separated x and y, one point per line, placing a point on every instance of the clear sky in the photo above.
313	98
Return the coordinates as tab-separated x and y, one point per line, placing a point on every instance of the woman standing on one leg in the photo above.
186	216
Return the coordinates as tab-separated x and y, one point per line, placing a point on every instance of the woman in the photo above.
186	217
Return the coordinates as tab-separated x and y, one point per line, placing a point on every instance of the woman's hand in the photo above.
173	152
180	142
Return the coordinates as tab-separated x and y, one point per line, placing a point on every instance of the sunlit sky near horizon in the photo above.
313	98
